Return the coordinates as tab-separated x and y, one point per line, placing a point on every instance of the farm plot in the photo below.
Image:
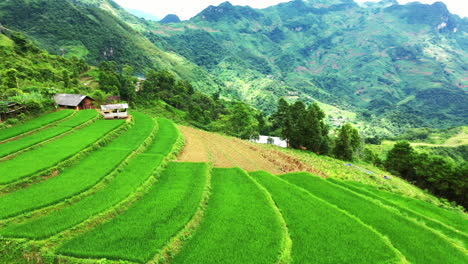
239	225
125	183
48	155
149	224
166	137
33	124
226	152
453	218
79	177
320	232
429	214
80	118
417	243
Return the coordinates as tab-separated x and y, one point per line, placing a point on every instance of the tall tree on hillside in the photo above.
401	159
347	142
316	130
282	119
298	113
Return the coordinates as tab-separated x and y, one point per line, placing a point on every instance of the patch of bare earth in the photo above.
227	152
194	149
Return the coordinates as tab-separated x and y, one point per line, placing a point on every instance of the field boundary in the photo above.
385	239
51	244
431	222
406	216
177	242
39	128
66	163
285	254
75	198
16	153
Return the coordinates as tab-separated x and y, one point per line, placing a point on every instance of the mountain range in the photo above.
383	65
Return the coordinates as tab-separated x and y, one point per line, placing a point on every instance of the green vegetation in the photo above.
301	127
165	139
418	244
317	220
80	118
239	225
438	174
450	217
65	185
437	221
81	176
160	214
347	142
33	124
124	184
36	160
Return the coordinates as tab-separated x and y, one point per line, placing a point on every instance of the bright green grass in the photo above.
126	182
452	218
149	224
239	225
79	177
166	137
50	154
33	124
417	243
320	232
30	140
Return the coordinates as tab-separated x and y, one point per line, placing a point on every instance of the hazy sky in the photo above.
186	9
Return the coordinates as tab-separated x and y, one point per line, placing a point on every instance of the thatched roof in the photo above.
114	107
70	99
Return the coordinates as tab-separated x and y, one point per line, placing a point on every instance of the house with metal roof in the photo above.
74	101
113	111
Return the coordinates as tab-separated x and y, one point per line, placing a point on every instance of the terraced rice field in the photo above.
50	154
419	244
39	137
31	125
320	231
122	195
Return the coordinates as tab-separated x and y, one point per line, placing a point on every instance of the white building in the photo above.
115	111
274	141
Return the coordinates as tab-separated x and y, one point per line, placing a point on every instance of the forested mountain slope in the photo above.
405	64
395	66
94	30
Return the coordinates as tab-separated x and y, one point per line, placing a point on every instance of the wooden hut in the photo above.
74	101
113	111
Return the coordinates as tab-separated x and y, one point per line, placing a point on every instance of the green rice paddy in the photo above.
49	154
160	215
320	232
123	201
33	124
239	225
16	145
417	243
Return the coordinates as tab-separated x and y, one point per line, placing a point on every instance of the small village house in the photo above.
113	111
74	101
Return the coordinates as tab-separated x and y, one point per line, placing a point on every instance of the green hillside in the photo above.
140	206
95	31
386	62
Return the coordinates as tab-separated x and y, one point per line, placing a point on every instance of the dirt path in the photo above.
195	149
227	152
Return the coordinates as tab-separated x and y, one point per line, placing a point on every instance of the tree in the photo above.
297	117
348	141
11	78
316	131
281	120
401	159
